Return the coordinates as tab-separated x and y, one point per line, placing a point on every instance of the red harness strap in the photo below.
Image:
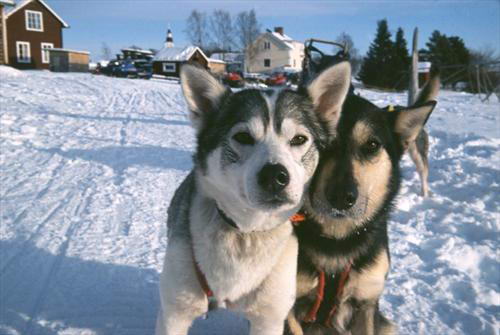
320	291
343	279
311	315
201	279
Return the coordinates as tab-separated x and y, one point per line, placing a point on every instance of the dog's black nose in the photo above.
273	177
343	199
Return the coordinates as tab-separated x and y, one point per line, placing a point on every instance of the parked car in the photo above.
256	77
144	69
110	68
233	79
277	79
126	69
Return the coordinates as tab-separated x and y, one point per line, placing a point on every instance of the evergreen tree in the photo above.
400	61
444	51
377	64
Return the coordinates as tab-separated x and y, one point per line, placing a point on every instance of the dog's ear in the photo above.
329	90
203	93
410	121
431	89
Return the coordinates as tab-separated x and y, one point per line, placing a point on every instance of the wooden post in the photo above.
478	79
413	85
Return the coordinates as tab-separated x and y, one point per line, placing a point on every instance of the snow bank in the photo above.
7	71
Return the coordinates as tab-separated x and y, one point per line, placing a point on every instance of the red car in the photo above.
277	79
233	79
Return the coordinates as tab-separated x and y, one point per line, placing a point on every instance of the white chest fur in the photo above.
233	263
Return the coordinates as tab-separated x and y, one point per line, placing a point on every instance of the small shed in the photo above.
168	60
234	60
217	67
424	72
65	60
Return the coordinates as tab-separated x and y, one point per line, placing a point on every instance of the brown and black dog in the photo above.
343	243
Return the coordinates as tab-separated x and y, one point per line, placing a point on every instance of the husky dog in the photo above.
419	149
343	242
229	234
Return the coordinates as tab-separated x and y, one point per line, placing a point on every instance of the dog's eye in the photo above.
298	140
371	146
244	138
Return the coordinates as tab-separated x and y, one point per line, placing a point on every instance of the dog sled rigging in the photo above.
316	61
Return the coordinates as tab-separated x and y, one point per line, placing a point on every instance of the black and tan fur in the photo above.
347	209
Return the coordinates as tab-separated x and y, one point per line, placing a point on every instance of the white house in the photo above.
274	51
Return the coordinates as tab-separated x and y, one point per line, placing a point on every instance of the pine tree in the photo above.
400	61
443	51
377	63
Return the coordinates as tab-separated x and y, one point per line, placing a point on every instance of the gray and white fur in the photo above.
256	154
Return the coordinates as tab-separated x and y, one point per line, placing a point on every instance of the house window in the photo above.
45	52
267	62
267	45
169	67
23	52
34	20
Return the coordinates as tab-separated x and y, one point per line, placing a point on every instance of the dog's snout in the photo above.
273	177
343	199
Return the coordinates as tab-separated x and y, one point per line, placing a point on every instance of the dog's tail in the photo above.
431	89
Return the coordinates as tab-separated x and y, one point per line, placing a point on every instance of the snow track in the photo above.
88	165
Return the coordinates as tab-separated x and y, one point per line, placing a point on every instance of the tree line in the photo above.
386	64
221	32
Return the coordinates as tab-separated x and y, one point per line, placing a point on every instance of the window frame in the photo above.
26	60
267	45
172	70
46	45
268	61
35	12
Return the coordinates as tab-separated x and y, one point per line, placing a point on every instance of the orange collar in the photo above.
297	218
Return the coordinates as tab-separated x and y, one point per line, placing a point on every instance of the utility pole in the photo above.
413	85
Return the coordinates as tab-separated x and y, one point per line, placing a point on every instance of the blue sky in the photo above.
121	23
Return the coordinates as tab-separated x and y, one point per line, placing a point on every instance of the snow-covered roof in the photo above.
138	50
287	40
213	60
21	4
69	50
281	39
177	53
7	2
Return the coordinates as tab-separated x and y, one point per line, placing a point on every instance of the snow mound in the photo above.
7	71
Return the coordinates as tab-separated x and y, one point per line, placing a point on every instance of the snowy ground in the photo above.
88	167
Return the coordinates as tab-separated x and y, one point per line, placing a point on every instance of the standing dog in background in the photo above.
343	242
229	234
419	149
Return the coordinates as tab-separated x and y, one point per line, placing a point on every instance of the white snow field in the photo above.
90	163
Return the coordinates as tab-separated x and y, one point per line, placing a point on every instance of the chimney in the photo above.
279	30
169	42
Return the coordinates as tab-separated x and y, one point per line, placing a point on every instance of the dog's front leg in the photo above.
363	319
182	298
268	306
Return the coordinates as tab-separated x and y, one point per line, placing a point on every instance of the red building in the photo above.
32	27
